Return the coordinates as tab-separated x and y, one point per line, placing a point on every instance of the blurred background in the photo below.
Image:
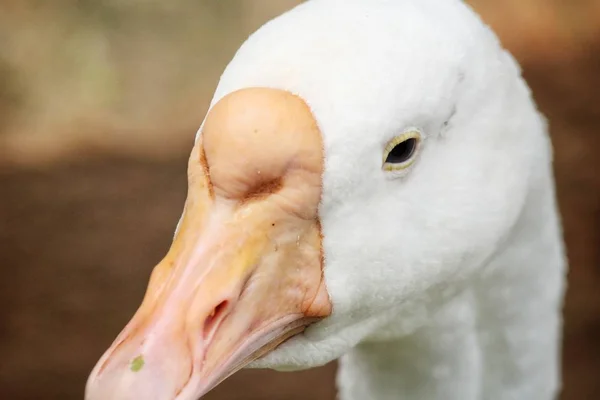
99	104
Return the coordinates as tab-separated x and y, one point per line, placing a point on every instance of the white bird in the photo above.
375	170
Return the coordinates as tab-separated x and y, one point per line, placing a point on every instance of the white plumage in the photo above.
445	276
446	283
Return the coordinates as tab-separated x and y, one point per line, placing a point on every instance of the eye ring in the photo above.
400	152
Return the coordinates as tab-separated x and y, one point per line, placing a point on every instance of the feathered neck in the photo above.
499	338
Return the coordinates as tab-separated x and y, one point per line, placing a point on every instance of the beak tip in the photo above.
128	385
124	377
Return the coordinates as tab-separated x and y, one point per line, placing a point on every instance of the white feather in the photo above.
446	283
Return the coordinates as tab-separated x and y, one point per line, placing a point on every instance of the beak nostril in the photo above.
214	318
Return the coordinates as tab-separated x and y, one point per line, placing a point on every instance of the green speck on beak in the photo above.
137	363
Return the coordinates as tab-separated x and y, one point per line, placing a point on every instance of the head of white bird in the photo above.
347	211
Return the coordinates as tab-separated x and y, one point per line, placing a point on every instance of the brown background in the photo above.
99	103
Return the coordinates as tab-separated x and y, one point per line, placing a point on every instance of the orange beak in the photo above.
244	272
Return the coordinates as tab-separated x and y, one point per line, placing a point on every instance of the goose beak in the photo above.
240	278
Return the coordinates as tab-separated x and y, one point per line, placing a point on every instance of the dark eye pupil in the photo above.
402	151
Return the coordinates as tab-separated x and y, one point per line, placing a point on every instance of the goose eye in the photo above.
400	152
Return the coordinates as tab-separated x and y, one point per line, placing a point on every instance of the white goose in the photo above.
378	166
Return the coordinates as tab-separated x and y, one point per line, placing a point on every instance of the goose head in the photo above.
360	163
